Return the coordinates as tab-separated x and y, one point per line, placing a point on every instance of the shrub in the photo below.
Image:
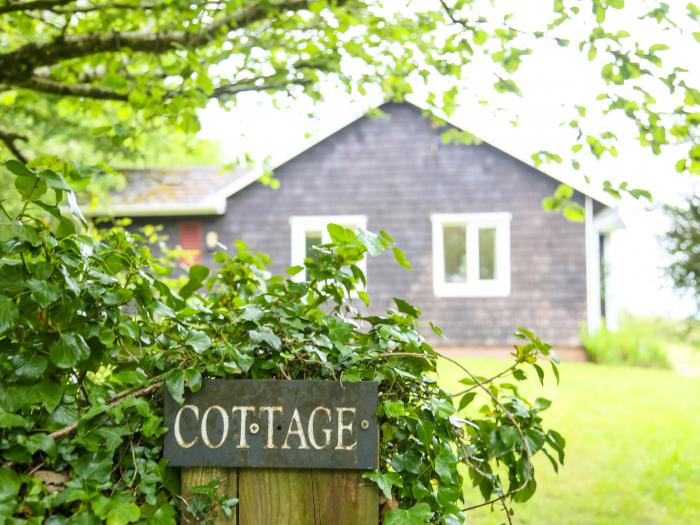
90	335
637	342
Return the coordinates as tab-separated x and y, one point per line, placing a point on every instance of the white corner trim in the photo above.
594	317
608	220
474	287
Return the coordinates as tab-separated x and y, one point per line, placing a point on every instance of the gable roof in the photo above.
205	190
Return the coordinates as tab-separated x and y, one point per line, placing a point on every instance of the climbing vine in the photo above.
91	335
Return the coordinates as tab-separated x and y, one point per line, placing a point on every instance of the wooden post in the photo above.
290	497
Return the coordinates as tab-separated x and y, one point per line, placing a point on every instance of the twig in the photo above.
528	453
9	140
121	398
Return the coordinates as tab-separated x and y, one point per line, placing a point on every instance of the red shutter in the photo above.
191	242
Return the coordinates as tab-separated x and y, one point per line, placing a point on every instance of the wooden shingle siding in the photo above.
396	171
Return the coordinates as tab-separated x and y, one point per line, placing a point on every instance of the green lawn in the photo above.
633	447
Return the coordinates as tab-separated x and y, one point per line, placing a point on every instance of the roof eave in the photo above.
211	207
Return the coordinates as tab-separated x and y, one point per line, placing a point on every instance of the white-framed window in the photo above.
311	230
471	254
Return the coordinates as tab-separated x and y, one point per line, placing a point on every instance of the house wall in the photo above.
396	171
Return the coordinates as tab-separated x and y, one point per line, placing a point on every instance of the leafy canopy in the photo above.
91	334
112	73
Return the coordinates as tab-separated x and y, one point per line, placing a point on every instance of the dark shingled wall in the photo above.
395	171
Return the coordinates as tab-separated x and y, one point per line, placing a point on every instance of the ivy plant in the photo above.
91	335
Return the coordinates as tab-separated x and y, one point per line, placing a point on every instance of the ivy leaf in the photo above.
50	394
265	335
385	481
9	420
444	463
30	367
10	483
44	292
69	350
409	461
123	514
406	308
197	275
9	314
199	341
41	441
416	515
175	381
96	466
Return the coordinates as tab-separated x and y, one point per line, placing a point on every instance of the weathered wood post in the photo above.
292	452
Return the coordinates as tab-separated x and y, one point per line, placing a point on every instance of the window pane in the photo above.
455	242
487	253
313	238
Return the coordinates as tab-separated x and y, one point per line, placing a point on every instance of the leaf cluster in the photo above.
91	335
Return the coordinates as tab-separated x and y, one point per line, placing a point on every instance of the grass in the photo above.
633	447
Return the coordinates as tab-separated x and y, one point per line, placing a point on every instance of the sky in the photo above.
552	80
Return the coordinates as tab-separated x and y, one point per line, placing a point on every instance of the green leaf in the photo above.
416	515
445	463
96	466
9	420
555	371
9	314
409	461
509	435
540	372
385	481
41	441
54	180
175	381
697	35
265	335
30	366
123	514
466	399
18	168
69	350
43	292
375	244
199	341
10	483
401	258
406	308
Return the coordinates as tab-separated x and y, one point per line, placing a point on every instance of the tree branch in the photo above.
121	398
18	66
31	6
46	85
239	87
9	140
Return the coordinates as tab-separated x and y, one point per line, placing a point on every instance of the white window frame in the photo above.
474	287
301	224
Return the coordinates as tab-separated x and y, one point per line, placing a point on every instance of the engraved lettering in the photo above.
178	432
326	431
205	431
343	427
270	424
298	431
243	442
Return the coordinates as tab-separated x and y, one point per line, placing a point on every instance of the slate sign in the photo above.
274	424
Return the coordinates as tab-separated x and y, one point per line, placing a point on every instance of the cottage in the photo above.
487	257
